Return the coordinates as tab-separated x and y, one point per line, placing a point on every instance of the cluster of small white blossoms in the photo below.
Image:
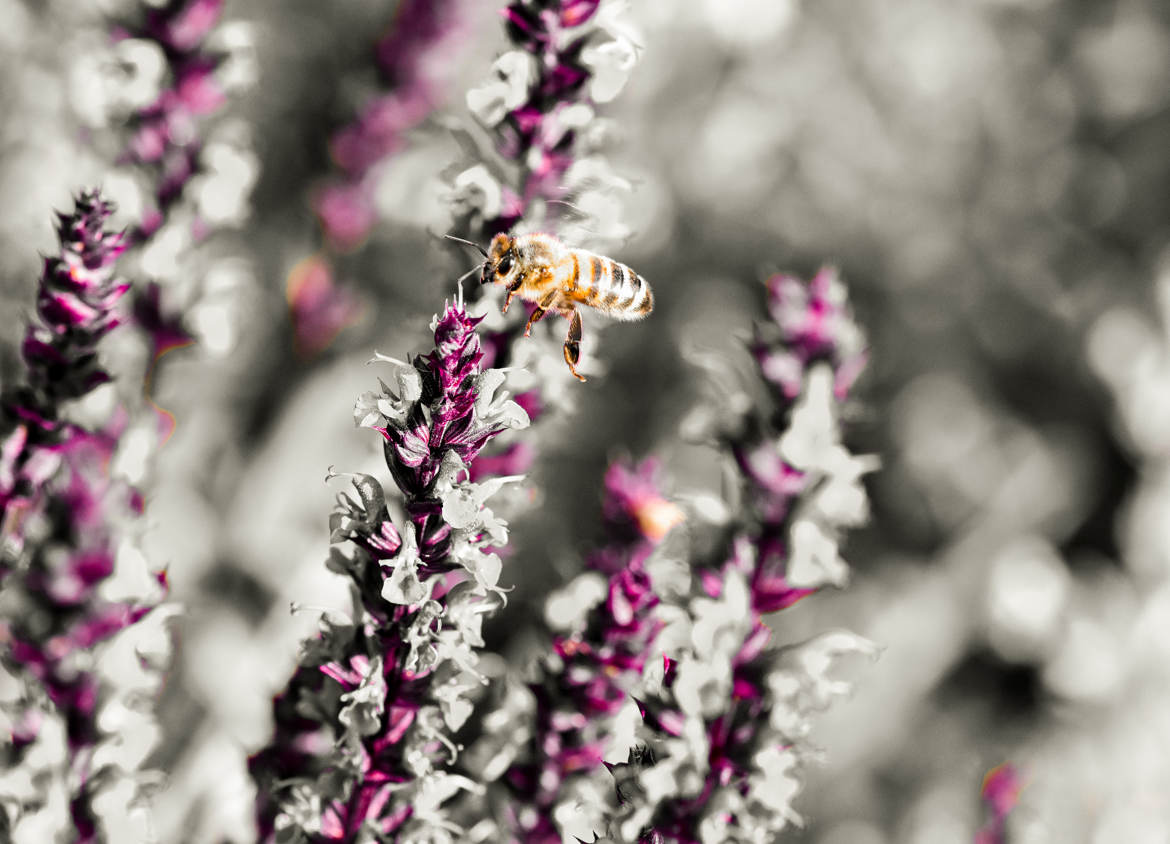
812	445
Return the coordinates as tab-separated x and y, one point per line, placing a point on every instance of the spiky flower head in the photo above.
76	306
75	303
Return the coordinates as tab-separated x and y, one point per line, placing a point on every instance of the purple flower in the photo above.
363	743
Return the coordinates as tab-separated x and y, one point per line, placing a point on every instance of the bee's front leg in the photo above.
573	345
513	289
540	311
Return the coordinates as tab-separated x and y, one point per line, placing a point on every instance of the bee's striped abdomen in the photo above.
611	287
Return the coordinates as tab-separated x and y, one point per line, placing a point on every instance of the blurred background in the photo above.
991	177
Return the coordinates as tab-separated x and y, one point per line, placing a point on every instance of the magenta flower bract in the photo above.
1000	792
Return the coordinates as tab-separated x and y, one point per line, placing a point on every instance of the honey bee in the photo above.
541	269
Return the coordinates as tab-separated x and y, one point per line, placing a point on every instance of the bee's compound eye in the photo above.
505	265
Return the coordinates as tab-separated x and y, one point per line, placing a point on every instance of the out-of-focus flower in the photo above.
362	744
128	78
636	515
810	323
318	306
221	188
170	69
201	70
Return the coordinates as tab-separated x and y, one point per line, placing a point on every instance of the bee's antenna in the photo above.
472	271
475	246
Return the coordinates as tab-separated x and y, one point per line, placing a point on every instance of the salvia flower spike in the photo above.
363	747
60	512
724	711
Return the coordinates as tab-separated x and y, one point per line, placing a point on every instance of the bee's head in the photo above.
501	260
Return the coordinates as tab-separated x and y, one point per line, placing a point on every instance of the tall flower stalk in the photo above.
362	747
60	510
723	711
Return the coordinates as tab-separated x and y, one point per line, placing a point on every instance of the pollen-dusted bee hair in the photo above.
541	269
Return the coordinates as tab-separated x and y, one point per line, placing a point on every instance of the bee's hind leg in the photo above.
573	345
539	313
